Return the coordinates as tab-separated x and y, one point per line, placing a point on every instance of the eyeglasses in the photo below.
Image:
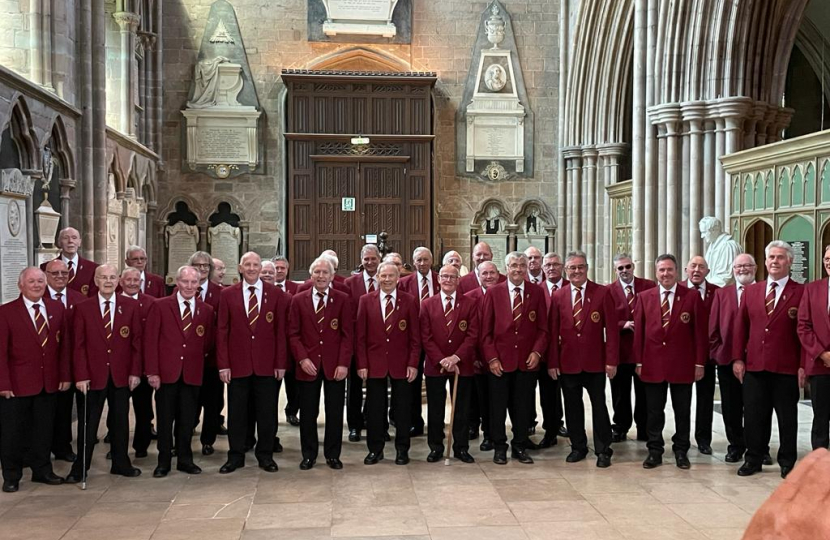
201	265
750	266
447	276
577	267
625	267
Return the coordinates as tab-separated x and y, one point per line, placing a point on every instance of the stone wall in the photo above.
443	35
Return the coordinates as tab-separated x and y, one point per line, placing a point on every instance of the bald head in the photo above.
481	253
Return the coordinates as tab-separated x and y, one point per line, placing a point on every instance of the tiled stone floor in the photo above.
550	499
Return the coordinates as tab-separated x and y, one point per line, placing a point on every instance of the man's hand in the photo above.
739	369
449	364
308	366
629	325
64	386
825	358
7	394
279	374
533	360
802	377
225	376
134	382
155	381
82	386
554	373
340	373
411	374
363	373
495	368
611	371
700	371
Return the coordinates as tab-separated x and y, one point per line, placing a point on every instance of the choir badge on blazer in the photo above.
269	317
685	317
84	289
402	325
334	324
200	330
595	316
125	332
792	312
532	316
462	326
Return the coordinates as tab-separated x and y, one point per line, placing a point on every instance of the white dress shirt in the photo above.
53	295
702	290
382	297
573	292
143	281
421	284
367	278
444	297
536	279
623	284
31	312
102	306
741	289
779	289
316	299
671	292
203	294
181	299
550	285
246	293
73	260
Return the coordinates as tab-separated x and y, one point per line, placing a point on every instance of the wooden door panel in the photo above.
383	200
334	228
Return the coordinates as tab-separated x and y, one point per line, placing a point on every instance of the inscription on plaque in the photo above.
224	240
222	144
13	247
181	240
360	9
800	270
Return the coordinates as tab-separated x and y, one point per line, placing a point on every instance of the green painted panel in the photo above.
770	191
784	188
759	191
825	182
748	195
800	233
798	187
810	185
736	194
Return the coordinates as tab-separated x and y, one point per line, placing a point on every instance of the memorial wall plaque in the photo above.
367	21
181	240
800	270
498	245
114	251
14	249
224	240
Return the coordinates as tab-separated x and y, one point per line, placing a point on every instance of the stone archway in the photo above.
756	237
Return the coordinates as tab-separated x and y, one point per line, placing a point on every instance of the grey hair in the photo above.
185	268
242	258
323	259
496	268
389	256
515	255
330	258
278	258
666	257
576	254
134	248
390	265
201	255
269	263
420	249
551	255
369	247
129	270
781	245
620	256
449	254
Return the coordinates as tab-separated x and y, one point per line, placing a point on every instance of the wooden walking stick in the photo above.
452	415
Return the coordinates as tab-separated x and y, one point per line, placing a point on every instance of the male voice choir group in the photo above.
79	330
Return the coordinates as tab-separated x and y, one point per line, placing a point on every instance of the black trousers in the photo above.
309	398
705	406
624	415
681	401
732	406
820	394
62	430
764	392
436	407
354	404
211	401
511	392
416	417
550	398
376	407
143	411
292	393
594	384
27	424
177	404
263	390
479	410
118	423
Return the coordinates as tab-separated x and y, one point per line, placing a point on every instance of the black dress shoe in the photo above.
682	460
473	434
73	478
576	456
306	464
785	470
207	450
500	457
531	445
292	419
372	458
269	466
547	442
616	436
132	472
434	456
748	469
386	436
402	458
733	456
334	463
68	457
354	435
563	432
486	445
161	472
49	478
521	456
464	456
767	459
653	461
141	453
416	431
11	486
705	449
603	461
188	468
277	446
229	467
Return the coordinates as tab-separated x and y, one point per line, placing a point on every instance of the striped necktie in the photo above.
71	266
320	310
665	309
253	308
107	318
770	300
40	326
630	298
517	306
187	317
577	309
448	310
424	289
387	312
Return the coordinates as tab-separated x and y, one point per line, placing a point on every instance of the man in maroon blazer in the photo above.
470	281
388	347
767	356
217	276
251	343
130	285
359	284
81	271
57	274
33	367
178	336
696	271
320	326
671	347
721	335
106	361
814	332
625	291
449	333
515	335
584	319
480	399
149	283
292	393
535	274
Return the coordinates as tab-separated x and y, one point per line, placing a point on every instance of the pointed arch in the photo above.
360	59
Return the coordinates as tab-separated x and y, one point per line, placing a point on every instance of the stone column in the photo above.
36	41
709	164
610	155
720	147
590	205
638	134
651	225
660	207
150	221
673	186
66	186
161	250
564	216
512	236
46	52
696	174
85	169
98	182
128	23
203	229
246	227
573	159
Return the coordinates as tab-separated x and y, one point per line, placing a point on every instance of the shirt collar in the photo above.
623	284
445	295
73	259
257	285
367	277
182	299
512	288
574	287
394	294
673	290
29	303
781	282
690	285
101	300
53	292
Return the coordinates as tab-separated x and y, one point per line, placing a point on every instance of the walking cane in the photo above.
83	457
452	415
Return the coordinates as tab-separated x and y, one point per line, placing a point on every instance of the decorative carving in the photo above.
495	78
14	181
207	88
328	87
347	149
382	88
495	172
495	27
221	34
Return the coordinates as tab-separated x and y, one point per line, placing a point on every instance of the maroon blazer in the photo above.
330	347
501	339
479	364
291	287
169	351
154	285
84	280
387	353
26	368
670	354
722	319
246	352
412	284
94	357
814	327
769	343
461	339
469	282
544	287
708	299
625	314
596	344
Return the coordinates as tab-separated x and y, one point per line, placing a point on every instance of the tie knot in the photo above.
741	287
321	295
252	289
279	285
773	285
388	297
424	280
58	294
36	307
697	286
628	288
107	303
187	303
666	294
578	288
70	264
517	290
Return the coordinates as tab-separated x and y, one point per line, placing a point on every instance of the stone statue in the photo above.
720	252
48	164
531	224
493	224
206	89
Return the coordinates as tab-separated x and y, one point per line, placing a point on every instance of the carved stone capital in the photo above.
127	21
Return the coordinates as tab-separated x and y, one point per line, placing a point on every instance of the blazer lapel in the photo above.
677	307
456	315
786	296
177	314
24	316
100	317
